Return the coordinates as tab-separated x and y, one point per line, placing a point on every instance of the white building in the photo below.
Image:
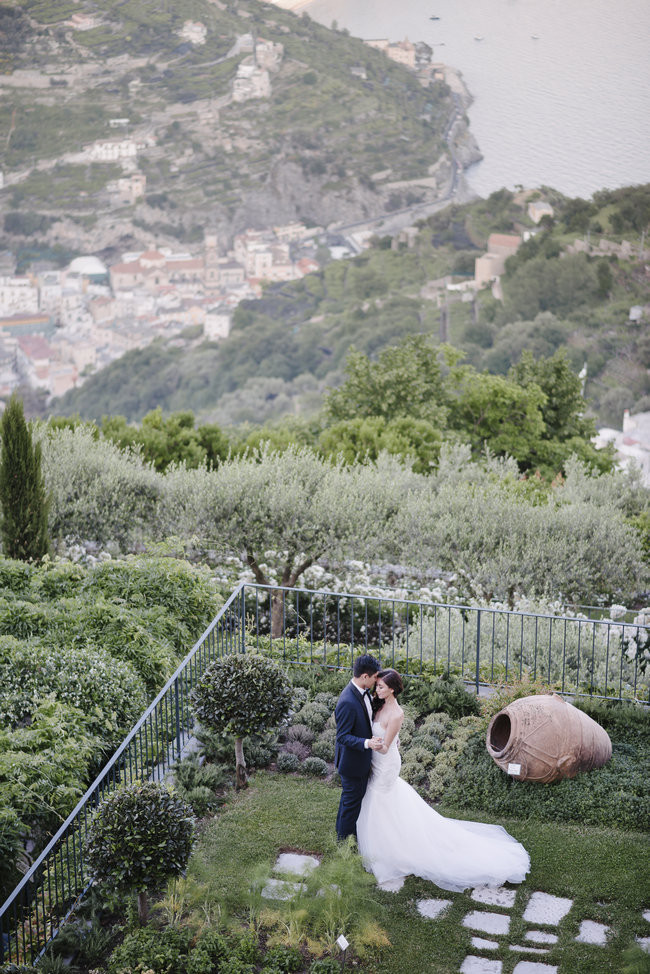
18	295
251	81
632	444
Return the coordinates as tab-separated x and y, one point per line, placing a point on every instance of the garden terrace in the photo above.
484	647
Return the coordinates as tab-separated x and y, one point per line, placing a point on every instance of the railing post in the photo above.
178	718
478	645
243	619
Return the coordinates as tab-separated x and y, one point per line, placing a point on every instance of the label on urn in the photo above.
514	769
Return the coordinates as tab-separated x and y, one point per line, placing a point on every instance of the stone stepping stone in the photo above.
487	922
280	889
480	965
592	933
391	885
547	909
533	967
295	864
644	943
481	944
432	908
495	896
529	950
646	915
540	937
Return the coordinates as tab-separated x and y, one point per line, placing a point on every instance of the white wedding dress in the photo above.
399	834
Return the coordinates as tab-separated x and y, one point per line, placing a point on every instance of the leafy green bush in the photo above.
324	745
198	783
58	579
314	766
314	716
15	575
139	836
149	949
109	691
287	762
299	732
444	693
325	965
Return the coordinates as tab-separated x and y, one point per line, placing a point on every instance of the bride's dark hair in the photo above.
393	680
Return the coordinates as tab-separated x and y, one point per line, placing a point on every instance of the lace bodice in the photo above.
385	767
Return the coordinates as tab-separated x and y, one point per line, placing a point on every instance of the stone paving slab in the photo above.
644	943
293	862
544	908
280	889
533	967
494	896
592	933
480	965
541	937
480	944
646	915
487	922
391	885
432	908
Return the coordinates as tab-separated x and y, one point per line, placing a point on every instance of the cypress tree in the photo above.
23	501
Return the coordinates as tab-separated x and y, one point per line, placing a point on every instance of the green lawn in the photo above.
604	871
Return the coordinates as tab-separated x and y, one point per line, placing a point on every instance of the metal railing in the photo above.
577	656
483	646
33	914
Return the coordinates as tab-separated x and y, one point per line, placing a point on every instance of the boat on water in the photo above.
478	37
434	18
534	37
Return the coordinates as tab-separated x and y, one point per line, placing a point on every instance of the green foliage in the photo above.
98	492
197	783
287	762
23	500
161	951
44	767
242	695
139	836
173	440
444	693
314	766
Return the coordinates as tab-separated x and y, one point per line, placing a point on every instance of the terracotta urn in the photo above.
544	738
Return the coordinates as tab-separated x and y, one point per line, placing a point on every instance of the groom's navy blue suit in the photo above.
352	759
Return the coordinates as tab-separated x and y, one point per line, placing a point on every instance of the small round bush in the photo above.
324	745
301	750
154	950
328	700
58	580
300	732
314	766
314	715
300	696
283	958
287	761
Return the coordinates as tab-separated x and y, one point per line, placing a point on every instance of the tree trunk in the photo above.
241	777
277	613
143	906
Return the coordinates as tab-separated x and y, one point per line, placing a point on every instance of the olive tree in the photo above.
280	512
139	837
242	695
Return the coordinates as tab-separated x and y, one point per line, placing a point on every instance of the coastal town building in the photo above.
631	444
538	209
490	266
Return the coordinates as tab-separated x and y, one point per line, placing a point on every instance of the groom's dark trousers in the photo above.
352	759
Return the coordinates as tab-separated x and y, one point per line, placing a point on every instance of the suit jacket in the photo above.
353	727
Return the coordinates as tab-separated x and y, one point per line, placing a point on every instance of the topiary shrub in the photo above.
139	837
242	695
287	762
314	766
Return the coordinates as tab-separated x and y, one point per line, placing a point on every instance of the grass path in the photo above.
605	871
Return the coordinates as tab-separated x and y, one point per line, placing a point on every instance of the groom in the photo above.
355	742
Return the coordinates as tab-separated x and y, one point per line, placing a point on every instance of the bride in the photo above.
400	834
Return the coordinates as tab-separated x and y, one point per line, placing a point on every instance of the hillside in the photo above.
326	142
287	347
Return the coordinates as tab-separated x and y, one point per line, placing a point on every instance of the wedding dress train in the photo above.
399	834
